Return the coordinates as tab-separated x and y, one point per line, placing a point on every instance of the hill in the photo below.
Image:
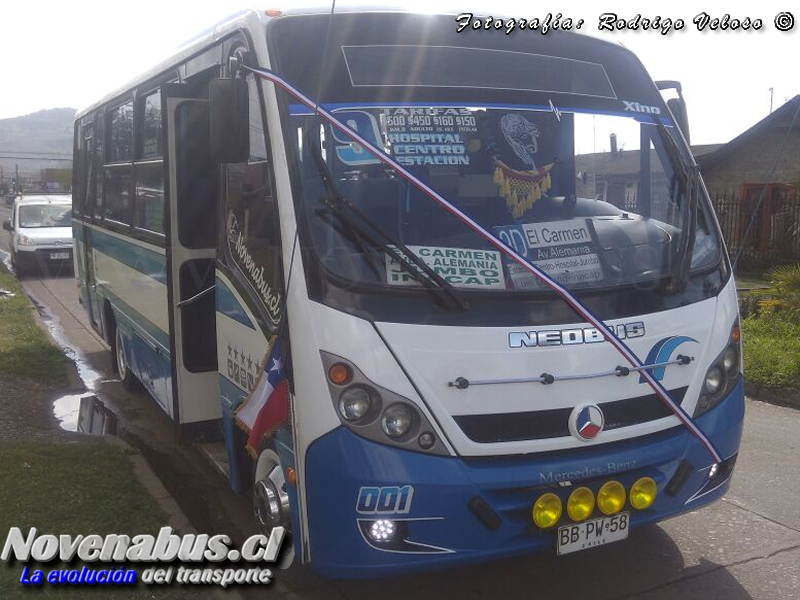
45	132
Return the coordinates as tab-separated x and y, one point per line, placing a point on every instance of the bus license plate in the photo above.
59	255
589	534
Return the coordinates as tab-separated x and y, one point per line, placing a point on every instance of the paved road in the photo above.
745	546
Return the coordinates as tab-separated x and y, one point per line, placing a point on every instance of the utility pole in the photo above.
771	94
16	178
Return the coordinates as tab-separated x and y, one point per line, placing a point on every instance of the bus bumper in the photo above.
464	510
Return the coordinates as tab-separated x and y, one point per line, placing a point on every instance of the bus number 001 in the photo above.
385	500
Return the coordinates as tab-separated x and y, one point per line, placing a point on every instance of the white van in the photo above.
41	232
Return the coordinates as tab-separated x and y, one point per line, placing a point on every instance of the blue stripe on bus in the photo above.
300	110
143	260
229	306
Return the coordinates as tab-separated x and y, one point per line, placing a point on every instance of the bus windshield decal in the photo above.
252	269
461	267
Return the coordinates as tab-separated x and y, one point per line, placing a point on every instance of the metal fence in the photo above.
774	236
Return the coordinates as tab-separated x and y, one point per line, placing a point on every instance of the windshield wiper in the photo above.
690	181
395	249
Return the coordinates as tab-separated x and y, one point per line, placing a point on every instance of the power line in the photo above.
2	151
40	158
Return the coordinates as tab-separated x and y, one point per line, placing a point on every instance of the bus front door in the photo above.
193	193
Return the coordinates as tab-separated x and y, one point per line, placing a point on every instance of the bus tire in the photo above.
126	376
270	509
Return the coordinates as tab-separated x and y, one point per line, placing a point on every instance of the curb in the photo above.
175	516
786	398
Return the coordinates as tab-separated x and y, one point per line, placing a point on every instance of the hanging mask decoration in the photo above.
521	188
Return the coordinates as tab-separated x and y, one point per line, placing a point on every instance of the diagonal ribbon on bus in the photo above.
573	302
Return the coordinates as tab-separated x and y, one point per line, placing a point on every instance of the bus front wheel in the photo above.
271	509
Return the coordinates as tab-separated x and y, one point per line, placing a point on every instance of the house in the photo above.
614	176
748	158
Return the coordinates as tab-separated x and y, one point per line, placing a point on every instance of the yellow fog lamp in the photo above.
546	510
611	497
580	504
643	493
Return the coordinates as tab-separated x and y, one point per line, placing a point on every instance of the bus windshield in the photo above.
592	198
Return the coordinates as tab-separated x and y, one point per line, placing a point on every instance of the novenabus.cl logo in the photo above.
661	353
586	421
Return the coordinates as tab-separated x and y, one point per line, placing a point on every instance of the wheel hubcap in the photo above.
271	502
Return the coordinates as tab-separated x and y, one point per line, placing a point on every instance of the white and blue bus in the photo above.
506	317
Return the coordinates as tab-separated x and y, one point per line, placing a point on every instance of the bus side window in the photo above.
96	175
250	203
149	201
119	174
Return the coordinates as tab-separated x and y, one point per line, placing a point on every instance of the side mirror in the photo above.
677	107
229	120
7	225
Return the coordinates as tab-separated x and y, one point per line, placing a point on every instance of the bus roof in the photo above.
256	18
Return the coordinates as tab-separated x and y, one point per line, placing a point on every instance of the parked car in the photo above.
41	232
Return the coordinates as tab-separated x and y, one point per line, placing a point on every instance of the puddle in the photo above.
5	258
85	414
88	375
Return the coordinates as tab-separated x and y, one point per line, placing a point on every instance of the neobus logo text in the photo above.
567	337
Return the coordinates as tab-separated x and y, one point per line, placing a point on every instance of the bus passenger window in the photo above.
118	194
120	137
152	139
97	177
149	167
150	198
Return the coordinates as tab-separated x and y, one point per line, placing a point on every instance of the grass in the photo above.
772	350
750	281
25	349
74	488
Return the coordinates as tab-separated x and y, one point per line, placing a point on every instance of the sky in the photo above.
69	54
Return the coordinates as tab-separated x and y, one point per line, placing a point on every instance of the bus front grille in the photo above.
553	423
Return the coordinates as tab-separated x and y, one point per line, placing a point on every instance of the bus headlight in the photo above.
643	493
382	530
354	403
397	420
730	360
580	504
715	379
611	497
546	510
723	374
376	413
